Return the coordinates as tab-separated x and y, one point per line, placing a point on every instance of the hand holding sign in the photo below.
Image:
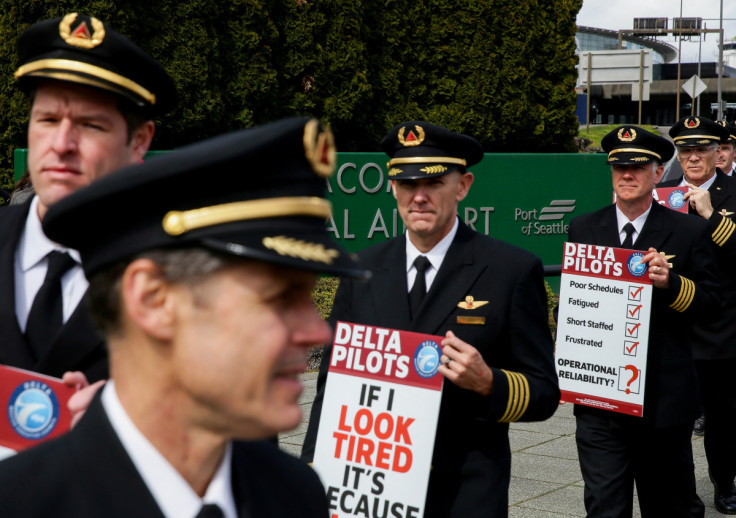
700	201
659	268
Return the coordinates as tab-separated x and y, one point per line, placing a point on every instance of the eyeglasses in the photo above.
700	152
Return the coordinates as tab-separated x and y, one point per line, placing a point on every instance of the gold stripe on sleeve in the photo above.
518	397
686	295
723	231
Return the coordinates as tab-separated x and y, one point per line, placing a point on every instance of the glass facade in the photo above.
595	41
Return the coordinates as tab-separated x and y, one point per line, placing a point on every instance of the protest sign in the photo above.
379	417
35	408
671	197
603	327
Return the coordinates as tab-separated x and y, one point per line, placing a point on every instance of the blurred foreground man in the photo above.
204	296
485	296
712	196
93	96
654	451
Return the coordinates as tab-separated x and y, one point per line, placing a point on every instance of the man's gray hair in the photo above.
186	266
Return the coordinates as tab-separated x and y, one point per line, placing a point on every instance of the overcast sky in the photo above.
620	14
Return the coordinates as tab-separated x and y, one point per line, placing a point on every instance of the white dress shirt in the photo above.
638	223
31	263
173	494
435	256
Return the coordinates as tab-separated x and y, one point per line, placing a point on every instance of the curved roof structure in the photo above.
667	51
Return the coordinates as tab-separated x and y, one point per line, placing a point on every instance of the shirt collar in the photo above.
34	246
436	254
638	223
172	492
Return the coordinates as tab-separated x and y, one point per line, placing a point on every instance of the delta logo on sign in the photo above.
547	221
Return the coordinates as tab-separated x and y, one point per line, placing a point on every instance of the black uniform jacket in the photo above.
86	473
716	338
77	347
514	339
671	395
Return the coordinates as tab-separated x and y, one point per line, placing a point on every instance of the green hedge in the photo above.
501	71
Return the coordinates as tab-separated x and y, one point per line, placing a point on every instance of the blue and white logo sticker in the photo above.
635	266
33	410
427	359
675	199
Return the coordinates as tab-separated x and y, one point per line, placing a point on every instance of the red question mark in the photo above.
635	374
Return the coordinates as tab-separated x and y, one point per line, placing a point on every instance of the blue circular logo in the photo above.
635	266
427	359
33	410
676	200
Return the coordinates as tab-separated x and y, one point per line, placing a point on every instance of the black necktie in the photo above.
421	263
46	316
210	511
628	241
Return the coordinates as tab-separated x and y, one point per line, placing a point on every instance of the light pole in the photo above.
679	60
720	66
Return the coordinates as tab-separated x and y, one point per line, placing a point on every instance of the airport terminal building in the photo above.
612	104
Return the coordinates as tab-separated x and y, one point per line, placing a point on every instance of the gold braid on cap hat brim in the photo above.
43	68
634	150
423	159
177	222
711	137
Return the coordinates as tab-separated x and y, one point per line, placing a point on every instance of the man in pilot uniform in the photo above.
93	96
712	197
654	451
485	296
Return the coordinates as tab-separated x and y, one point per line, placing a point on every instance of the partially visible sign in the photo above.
606	67
379	417
34	408
603	328
672	197
694	86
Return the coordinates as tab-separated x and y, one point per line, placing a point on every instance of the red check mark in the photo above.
635	310
635	293
633	346
633	328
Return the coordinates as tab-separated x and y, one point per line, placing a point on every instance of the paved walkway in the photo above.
545	476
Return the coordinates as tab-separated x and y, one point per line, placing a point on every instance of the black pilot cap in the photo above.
419	149
257	193
698	131
630	145
83	50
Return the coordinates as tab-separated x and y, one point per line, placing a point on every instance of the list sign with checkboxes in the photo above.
603	327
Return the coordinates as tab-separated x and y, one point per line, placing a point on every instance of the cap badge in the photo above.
412	139
626	135
471	303
319	148
692	123
283	245
79	36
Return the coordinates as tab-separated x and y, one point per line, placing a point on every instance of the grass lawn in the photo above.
597	132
